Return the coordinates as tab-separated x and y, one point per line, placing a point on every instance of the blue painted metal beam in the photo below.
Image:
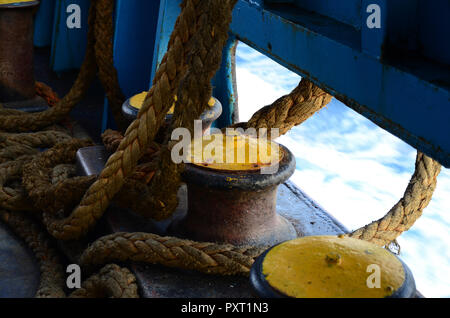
409	98
224	85
224	88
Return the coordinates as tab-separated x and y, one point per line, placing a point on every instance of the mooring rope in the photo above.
43	184
209	258
410	207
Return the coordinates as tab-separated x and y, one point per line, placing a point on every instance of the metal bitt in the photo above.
131	110
237	207
330	267
17	81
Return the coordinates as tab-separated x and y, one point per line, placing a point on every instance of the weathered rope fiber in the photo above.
305	100
14	198
172	252
12	152
193	96
290	110
143	130
111	282
38	179
193	56
41	139
104	28
284	113
410	207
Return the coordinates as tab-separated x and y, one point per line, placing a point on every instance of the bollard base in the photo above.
280	230
33	105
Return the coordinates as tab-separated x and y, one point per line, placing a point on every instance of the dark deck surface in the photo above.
19	275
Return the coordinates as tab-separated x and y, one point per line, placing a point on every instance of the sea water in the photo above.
354	169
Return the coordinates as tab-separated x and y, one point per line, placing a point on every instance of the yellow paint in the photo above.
233	152
211	102
13	1
331	266
138	100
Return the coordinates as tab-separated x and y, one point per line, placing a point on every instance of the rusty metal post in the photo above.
17	81
235	207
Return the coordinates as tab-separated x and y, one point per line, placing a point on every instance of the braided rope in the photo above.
193	96
104	28
47	93
41	139
192	58
290	110
62	172
305	100
138	136
112	282
12	152
208	258
410	207
14	199
38	179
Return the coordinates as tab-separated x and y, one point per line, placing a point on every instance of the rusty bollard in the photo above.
235	205
17	83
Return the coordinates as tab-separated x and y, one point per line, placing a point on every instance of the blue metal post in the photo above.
224	84
134	44
43	23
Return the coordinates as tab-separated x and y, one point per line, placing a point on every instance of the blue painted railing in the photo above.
397	75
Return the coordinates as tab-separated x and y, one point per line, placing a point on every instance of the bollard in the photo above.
235	203
131	106
17	83
330	267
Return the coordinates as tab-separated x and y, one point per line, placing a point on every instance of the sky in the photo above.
355	170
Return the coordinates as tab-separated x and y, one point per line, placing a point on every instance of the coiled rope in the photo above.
70	207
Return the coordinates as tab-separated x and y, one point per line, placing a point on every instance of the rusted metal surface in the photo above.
16	53
237	217
159	282
237	208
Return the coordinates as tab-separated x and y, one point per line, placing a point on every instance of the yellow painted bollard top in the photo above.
14	1
234	152
332	267
137	100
